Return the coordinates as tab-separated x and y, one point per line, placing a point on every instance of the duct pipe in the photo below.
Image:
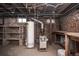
42	25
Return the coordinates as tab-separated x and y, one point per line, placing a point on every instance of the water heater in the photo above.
30	34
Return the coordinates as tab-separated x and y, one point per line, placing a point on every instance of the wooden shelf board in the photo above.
12	38
12	26
74	34
13	32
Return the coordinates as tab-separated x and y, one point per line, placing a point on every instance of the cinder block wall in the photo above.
70	22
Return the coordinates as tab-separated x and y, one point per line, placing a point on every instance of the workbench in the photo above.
67	35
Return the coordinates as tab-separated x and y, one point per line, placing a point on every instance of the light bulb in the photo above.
48	21
53	21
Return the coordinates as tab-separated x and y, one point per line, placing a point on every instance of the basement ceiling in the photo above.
32	9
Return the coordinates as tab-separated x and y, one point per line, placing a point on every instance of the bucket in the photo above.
61	52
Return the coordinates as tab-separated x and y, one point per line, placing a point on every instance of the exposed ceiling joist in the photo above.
46	9
15	6
4	6
63	7
73	7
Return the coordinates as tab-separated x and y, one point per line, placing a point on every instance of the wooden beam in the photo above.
66	45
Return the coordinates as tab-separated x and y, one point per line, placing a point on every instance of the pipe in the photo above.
54	5
42	25
49	5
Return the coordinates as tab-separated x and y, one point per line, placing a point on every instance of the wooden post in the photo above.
4	43
20	36
66	45
50	31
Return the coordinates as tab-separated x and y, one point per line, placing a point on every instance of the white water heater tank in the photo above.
30	34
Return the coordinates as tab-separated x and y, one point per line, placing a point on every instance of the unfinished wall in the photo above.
70	22
49	28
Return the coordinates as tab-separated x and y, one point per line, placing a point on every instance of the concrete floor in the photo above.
23	51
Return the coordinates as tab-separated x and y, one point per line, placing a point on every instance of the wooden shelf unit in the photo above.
11	30
13	33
